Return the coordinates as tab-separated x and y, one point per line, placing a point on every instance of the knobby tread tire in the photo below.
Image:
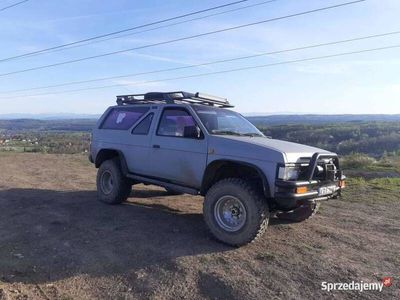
122	185
257	206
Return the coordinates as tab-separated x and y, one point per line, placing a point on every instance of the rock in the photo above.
3	295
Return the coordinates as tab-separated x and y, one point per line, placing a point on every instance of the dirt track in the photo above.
58	242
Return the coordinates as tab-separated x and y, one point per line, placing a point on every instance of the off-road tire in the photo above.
173	192
121	186
256	207
301	213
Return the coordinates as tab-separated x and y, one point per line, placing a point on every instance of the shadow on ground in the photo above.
49	235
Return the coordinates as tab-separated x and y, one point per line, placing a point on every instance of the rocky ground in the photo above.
58	242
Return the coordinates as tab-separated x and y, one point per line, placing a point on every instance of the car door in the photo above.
139	146
179	148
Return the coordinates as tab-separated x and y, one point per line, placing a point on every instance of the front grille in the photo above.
326	168
326	172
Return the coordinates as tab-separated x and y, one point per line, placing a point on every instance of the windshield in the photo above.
225	122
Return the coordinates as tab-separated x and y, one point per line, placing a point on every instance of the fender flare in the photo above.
212	168
119	153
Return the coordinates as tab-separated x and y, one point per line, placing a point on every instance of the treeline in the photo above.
72	136
320	119
372	138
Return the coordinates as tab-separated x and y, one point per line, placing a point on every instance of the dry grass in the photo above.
58	242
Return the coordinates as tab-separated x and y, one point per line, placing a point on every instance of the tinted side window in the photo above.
123	118
144	126
173	122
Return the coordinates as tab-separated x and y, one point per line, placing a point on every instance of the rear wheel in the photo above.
301	213
112	186
235	211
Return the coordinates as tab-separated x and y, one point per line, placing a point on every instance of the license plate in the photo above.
326	190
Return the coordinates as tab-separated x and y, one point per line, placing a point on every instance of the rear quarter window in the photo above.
144	126
123	118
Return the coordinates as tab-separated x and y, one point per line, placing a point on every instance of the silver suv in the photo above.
192	144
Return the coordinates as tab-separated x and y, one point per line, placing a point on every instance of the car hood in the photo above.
292	152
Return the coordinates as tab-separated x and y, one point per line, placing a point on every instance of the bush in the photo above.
357	161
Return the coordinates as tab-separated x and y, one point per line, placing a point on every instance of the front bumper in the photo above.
286	195
291	194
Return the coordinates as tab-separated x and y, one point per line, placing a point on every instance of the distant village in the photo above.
44	142
9	139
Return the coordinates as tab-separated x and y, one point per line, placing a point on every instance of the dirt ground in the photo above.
58	242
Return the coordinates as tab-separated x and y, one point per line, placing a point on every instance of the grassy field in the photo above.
58	242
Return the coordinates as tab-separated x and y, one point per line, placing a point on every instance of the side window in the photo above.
123	118
144	126
175	122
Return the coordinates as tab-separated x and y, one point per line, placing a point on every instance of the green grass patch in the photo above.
361	162
389	184
372	191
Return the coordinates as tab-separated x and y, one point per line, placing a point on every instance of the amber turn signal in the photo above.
301	190
342	184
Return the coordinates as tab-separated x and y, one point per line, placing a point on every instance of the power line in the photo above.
153	29
208	63
214	73
13	5
124	30
182	38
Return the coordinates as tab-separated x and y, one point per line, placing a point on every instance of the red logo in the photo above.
387	281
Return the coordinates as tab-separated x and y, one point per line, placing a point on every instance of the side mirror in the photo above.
192	132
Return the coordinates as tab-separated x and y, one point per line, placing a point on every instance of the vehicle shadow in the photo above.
141	193
48	235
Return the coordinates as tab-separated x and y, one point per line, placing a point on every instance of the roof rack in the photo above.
173	98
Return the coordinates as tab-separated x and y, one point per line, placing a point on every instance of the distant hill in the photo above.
79	123
374	135
76	125
266	119
59	116
319	119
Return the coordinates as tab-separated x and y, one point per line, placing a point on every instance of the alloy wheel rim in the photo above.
230	213
107	183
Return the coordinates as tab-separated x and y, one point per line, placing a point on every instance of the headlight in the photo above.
289	172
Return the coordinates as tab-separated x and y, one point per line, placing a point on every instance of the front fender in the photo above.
215	165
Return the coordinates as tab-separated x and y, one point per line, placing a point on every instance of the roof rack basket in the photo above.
173	98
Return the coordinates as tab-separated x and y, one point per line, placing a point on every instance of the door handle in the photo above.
156	146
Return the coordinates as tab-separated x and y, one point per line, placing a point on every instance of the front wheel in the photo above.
112	186
235	211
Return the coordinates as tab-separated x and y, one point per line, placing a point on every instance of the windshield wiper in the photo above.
251	134
226	132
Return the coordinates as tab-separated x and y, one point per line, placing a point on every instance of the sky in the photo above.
365	83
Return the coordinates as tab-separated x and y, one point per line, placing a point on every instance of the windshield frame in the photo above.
197	107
